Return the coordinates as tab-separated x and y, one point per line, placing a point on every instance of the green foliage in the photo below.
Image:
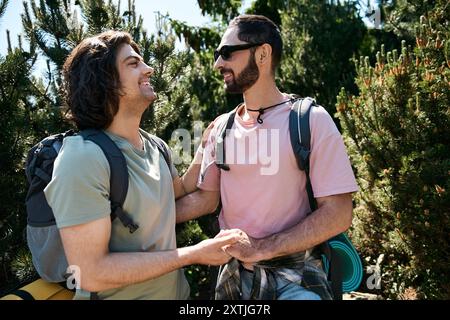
397	132
198	38
22	266
3	5
269	8
400	16
15	135
220	9
199	277
320	38
53	23
191	233
372	41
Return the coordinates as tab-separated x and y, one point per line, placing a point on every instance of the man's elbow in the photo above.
88	277
341	209
346	214
347	219
210	200
95	282
213	202
90	285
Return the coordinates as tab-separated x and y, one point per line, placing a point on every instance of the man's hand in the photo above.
206	133
246	249
333	216
212	252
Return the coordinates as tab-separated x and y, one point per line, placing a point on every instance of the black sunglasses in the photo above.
226	51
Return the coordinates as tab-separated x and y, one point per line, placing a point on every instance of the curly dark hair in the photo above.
91	84
259	29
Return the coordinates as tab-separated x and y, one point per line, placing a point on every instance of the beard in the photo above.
245	80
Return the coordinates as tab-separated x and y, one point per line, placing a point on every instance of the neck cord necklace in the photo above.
261	110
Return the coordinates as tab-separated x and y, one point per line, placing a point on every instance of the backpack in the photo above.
43	236
341	261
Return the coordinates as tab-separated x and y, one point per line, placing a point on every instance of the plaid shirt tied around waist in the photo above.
301	268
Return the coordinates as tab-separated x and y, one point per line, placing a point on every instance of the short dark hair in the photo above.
256	29
91	82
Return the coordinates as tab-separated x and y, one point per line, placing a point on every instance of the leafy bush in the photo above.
397	131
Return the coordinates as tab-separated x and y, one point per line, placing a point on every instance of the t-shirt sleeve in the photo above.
331	172
79	190
209	178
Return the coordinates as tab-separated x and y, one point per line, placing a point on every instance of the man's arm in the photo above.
188	182
86	246
333	216
196	204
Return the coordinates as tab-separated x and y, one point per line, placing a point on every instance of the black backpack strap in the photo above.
162	147
119	175
220	142
24	295
336	273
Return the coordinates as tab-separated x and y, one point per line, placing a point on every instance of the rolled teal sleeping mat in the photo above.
352	266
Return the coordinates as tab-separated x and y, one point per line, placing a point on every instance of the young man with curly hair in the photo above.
107	87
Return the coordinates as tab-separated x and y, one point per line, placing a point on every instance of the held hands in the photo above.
246	249
212	252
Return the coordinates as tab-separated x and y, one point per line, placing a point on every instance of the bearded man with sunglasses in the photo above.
274	260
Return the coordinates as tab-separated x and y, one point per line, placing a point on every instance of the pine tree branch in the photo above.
3	5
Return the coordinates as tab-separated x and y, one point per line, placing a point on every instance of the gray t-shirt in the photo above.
79	193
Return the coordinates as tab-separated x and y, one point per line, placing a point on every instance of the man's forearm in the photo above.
196	204
316	228
190	177
116	270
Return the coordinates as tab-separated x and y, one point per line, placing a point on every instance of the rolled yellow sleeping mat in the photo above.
40	290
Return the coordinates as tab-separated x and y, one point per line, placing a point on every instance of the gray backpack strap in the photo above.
299	132
118	178
220	142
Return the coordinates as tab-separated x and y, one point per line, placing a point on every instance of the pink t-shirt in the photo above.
264	191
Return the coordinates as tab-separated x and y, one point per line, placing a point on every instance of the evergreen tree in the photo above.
223	10
16	93
397	131
320	38
400	16
269	8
